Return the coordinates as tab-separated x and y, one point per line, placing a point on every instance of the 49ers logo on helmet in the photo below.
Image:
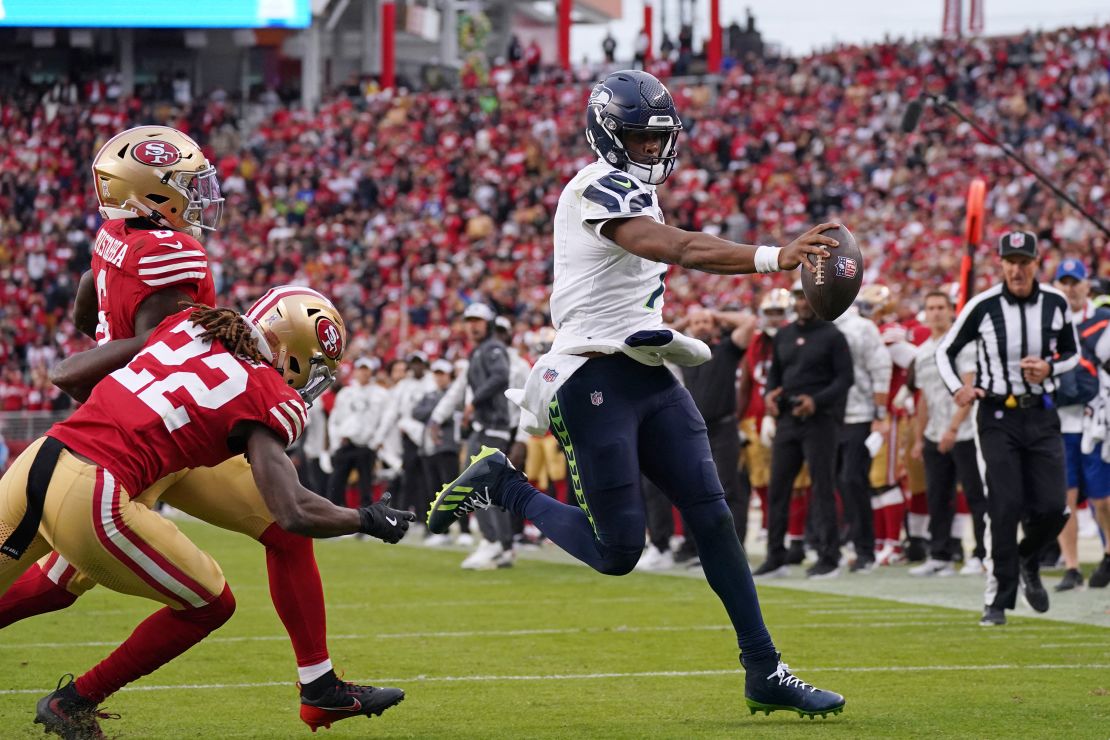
331	340
156	153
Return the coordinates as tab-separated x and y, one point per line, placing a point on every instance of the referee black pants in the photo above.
1024	455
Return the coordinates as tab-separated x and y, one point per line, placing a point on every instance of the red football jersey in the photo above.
895	332
174	407
130	264
757	364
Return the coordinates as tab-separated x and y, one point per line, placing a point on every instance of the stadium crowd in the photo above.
407	208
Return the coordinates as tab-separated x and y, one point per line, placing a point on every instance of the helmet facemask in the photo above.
205	204
320	378
652	170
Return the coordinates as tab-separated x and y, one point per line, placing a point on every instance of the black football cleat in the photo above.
992	617
1031	587
1101	576
796	552
772	567
915	550
1072	579
345	700
770	687
475	488
67	714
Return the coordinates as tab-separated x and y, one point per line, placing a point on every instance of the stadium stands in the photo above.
405	208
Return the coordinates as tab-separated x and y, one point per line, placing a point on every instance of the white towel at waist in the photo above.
651	347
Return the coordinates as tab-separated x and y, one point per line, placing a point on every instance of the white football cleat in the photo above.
973	567
485	557
933	567
437	540
653	560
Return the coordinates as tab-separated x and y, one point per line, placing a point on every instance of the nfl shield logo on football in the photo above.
845	267
596	398
549	375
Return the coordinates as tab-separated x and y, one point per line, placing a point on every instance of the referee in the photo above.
1023	339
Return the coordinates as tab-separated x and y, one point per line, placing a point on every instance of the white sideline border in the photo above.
614	675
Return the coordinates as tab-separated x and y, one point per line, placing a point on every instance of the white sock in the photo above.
959	526
309	673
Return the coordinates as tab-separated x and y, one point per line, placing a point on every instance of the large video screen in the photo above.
161	14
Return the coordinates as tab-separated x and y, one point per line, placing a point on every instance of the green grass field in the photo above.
550	650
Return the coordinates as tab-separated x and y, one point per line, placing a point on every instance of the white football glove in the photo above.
904	399
767	431
873	443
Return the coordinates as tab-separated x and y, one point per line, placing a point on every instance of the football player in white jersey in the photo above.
614	407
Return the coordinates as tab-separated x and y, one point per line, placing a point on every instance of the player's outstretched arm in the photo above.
78	374
300	511
696	250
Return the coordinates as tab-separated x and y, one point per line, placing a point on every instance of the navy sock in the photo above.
567	526
726	569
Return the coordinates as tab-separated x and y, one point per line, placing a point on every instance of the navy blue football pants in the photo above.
616	418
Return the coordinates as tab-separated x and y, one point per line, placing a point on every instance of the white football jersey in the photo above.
601	291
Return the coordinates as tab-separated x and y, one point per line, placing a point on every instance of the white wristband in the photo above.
767	259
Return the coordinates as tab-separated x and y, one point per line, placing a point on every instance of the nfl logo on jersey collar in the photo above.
596	398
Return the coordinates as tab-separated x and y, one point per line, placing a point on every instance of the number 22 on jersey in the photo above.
153	392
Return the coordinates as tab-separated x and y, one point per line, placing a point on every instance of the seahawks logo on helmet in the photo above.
600	98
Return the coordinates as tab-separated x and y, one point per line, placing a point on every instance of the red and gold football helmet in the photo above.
159	173
775	310
303	335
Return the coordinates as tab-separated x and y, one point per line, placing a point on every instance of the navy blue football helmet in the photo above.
633	100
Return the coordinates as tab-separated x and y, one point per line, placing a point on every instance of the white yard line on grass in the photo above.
885	611
418	604
498	634
636	674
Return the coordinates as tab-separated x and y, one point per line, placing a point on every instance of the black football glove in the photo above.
385	523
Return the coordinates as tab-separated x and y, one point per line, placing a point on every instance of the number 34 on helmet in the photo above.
303	336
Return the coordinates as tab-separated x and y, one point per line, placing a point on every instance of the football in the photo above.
834	286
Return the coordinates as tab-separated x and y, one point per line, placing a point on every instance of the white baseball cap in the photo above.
479	311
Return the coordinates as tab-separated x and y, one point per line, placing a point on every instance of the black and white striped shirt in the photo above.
1005	329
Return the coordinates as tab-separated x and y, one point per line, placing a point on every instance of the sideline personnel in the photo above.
807	390
1023	339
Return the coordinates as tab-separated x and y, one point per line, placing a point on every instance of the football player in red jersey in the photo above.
159	193
206	386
